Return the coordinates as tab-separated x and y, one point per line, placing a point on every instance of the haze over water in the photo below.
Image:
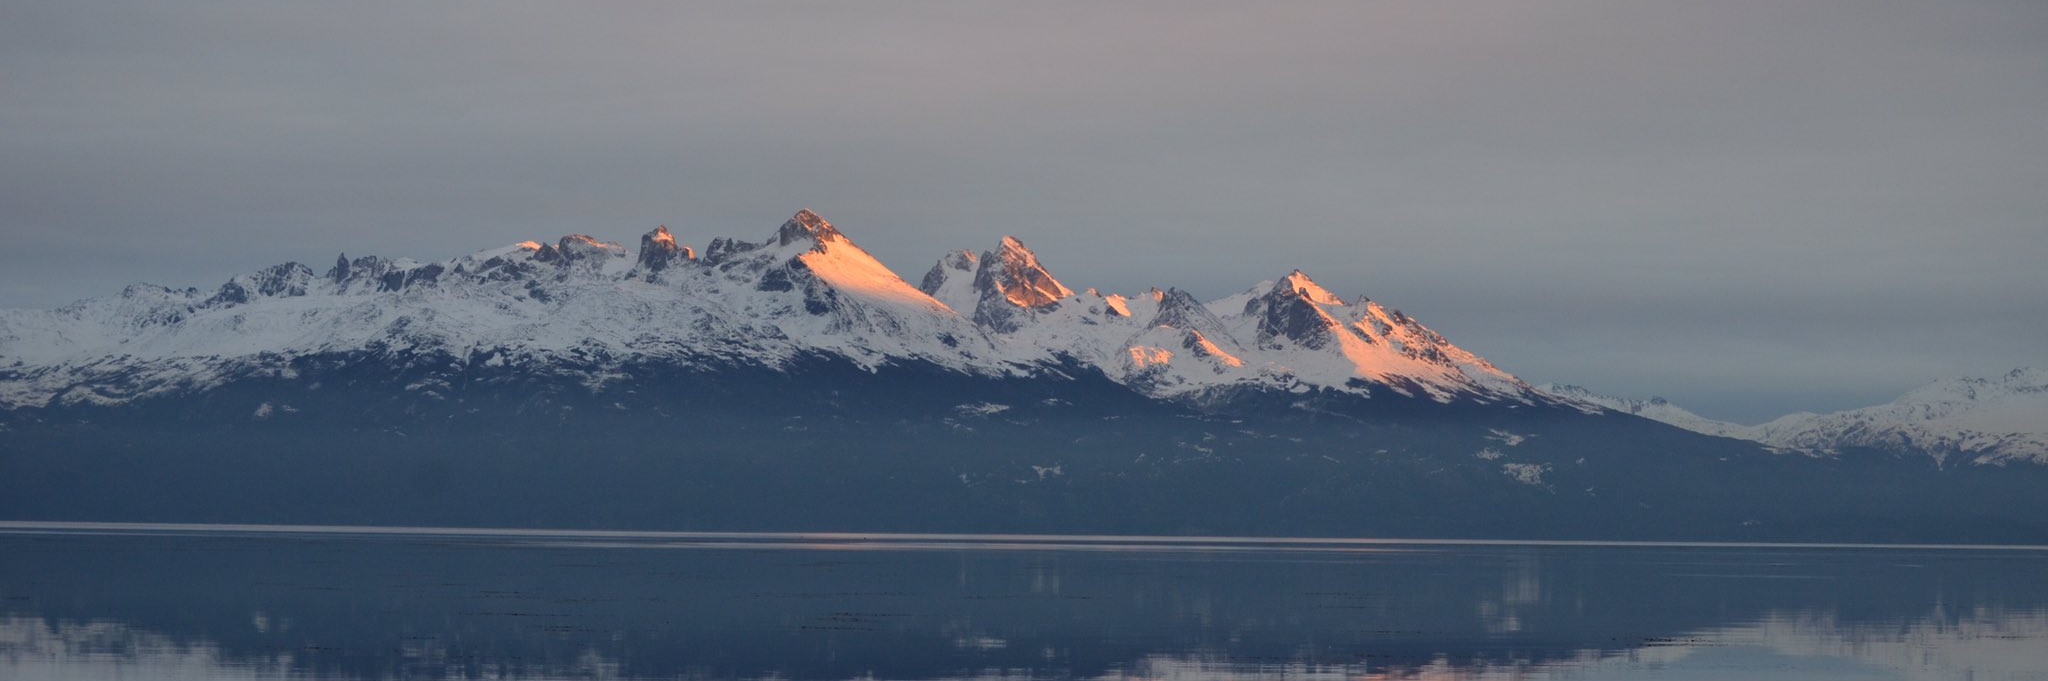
81	601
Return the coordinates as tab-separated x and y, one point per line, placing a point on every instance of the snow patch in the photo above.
1506	438
1526	473
981	409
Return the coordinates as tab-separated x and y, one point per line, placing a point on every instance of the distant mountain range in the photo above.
797	383
1957	421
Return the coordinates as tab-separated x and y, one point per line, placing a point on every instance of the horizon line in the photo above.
933	540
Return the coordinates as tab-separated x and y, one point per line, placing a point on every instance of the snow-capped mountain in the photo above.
1971	420
807	291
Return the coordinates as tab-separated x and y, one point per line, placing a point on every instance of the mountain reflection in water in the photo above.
190	602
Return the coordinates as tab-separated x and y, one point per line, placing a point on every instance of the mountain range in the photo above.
1957	421
798	383
807	291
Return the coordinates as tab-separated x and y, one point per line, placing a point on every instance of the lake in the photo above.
102	601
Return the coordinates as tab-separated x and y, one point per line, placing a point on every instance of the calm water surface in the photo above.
219	602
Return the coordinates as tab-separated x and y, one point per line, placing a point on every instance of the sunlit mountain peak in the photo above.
807	226
1299	284
1013	271
661	235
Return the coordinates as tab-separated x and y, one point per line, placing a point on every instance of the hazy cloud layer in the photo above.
1747	207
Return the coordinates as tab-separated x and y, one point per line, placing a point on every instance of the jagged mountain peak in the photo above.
951	280
660	235
579	247
659	250
823	256
286	280
1022	270
1011	244
1010	282
1013	272
807	226
1290	312
587	243
836	260
1298	284
960	259
1180	310
1377	344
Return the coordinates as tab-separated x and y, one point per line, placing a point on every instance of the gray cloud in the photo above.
1747	207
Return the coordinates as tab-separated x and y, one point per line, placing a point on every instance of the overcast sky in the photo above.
1748	207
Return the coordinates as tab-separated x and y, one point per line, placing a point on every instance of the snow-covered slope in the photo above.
581	304
1975	420
1958	420
1655	409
